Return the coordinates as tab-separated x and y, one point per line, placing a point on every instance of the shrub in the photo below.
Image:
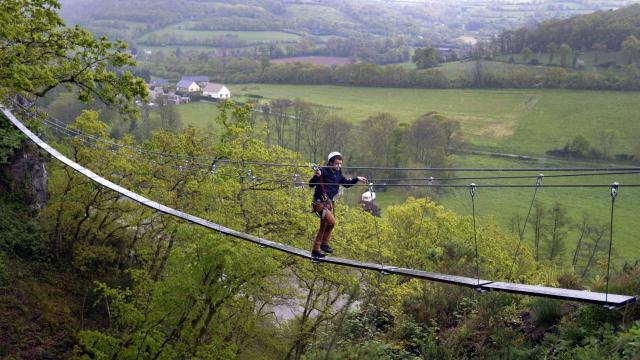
546	312
19	234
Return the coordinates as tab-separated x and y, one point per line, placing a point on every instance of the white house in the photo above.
187	86
216	91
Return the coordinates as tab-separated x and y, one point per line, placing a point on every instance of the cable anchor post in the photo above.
297	182
472	190
614	190
614	194
250	176
539	180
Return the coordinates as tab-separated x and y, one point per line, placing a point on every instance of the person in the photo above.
327	181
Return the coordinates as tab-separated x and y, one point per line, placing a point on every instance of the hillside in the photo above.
374	30
599	31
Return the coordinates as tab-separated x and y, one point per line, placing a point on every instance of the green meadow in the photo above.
525	121
517	121
183	30
199	114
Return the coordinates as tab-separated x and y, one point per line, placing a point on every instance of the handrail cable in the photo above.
271	164
628	172
430	179
541	291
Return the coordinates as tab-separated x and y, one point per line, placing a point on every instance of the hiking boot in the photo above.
317	254
326	248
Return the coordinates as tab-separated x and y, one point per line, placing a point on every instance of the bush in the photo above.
19	234
534	62
546	312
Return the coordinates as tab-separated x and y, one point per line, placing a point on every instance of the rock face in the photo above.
26	174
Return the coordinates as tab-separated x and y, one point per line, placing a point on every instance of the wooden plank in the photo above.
352	263
563	294
448	279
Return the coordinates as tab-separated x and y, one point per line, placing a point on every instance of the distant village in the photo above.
189	88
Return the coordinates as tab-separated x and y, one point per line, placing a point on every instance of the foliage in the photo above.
608	28
546	312
42	53
10	139
20	234
425	57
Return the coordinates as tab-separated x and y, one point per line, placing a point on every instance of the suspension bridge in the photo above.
606	299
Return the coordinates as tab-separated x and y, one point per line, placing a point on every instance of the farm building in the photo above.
159	82
216	91
187	86
201	80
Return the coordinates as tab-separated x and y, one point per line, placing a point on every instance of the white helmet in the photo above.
332	154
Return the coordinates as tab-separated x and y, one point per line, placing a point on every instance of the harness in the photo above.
327	204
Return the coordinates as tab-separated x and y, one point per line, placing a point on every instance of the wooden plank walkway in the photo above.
611	300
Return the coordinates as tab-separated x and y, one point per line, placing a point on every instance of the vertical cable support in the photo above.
614	193
472	192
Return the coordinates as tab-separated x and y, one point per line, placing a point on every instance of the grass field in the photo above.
182	30
325	13
529	121
199	114
500	205
538	119
457	69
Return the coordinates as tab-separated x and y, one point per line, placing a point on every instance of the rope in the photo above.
614	193
58	123
506	177
548	292
526	219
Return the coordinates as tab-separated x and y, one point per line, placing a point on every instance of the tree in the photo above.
552	49
265	62
539	227
558	224
580	146
429	141
598	48
425	58
376	140
526	54
630	48
565	51
39	53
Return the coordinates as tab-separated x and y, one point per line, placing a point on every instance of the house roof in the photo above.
160	82
196	78
185	83
213	87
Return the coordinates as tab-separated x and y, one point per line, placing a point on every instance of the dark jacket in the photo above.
330	180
